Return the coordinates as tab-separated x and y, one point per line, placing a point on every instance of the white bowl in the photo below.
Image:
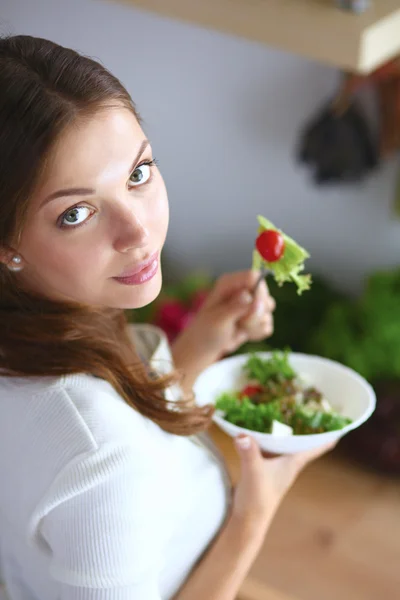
348	393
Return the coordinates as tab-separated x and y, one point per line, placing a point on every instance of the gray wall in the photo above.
223	115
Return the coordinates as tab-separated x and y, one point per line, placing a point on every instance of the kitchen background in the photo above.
224	117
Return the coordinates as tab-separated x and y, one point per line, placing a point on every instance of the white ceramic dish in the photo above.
348	393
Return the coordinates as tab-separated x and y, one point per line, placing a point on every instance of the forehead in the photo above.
91	146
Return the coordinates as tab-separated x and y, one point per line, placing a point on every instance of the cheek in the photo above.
79	272
159	211
65	261
72	266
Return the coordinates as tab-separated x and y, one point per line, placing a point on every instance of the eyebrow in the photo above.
90	191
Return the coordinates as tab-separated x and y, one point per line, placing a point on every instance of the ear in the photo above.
5	255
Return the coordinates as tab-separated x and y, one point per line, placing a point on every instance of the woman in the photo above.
111	490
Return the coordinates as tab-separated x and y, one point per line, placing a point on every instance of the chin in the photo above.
138	296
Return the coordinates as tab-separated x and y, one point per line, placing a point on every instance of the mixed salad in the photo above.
276	400
281	255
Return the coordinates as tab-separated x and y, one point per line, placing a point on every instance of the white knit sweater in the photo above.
98	502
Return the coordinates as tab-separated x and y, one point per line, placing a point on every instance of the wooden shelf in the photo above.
314	29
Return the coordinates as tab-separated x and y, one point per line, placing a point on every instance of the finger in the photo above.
265	329
257	310
257	328
262	293
255	313
258	333
270	303
240	338
251	461
263	301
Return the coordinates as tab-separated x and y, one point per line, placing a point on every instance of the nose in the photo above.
130	232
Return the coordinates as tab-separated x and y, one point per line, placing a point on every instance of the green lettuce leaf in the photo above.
264	370
287	268
244	413
311	421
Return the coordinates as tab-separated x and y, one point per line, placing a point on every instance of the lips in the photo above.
138	267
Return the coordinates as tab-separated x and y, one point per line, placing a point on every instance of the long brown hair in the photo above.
43	89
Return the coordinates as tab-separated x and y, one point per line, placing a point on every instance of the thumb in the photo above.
251	460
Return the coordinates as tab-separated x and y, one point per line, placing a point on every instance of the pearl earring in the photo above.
16	266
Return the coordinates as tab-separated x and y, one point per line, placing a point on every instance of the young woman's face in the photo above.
102	211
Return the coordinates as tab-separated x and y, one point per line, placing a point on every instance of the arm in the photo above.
104	535
262	485
221	573
189	360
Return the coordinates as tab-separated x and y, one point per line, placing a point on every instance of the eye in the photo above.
141	174
71	217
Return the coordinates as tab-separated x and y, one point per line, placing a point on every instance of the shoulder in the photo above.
57	421
103	414
82	409
54	421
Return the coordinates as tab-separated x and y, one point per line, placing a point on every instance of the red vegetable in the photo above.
250	390
271	245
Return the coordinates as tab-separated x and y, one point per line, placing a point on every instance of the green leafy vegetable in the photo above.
364	333
307	421
289	267
273	400
275	367
246	414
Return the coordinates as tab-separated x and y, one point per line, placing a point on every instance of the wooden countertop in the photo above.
336	535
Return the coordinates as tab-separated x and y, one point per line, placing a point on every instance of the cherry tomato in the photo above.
271	245
250	390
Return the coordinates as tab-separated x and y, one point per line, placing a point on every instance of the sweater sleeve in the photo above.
101	526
